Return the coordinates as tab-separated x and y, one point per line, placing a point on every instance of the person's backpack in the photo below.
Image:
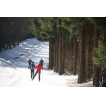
32	66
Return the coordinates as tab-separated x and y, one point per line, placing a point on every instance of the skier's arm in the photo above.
42	67
36	67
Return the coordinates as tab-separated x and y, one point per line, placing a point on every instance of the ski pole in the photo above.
42	74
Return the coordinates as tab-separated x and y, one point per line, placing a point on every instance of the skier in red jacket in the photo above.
38	67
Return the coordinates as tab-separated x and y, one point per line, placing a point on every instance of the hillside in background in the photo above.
13	30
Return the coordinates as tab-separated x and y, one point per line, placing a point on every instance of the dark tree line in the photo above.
77	45
13	30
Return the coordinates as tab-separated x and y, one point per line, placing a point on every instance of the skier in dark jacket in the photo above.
103	78
32	67
29	62
41	61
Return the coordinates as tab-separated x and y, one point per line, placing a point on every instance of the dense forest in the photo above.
77	45
13	30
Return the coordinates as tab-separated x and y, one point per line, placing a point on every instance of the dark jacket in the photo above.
29	61
103	76
32	65
41	62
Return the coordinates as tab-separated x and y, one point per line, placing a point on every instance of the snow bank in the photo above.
8	73
4	63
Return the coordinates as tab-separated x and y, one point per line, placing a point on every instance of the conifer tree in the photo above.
66	29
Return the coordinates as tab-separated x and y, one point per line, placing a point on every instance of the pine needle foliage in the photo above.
100	60
100	22
45	27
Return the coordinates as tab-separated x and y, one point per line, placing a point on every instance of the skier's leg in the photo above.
35	74
31	74
39	76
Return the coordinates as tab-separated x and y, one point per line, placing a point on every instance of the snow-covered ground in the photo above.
14	70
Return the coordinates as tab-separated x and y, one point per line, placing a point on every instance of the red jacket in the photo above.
38	67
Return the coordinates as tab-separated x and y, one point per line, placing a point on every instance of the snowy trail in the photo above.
36	53
14	70
48	77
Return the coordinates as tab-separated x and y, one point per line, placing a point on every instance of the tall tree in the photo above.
81	68
51	52
87	51
63	50
74	60
95	68
55	52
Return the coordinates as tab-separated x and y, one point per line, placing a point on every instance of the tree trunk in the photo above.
74	59
72	54
9	44
13	40
79	54
17	42
50	53
95	68
55	52
60	54
5	45
18	39
81	71
63	50
87	52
